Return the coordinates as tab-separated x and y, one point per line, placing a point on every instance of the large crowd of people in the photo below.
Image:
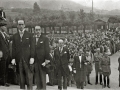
67	60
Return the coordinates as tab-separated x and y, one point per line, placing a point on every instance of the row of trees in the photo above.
52	18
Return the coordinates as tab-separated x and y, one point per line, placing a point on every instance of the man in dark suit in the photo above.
62	57
23	55
119	69
41	57
51	69
5	56
79	68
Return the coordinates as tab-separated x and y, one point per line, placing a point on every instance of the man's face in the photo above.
21	26
60	44
38	31
3	29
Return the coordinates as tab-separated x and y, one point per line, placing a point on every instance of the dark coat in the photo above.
80	72
4	47
119	64
42	49
97	59
105	65
5	60
23	48
62	59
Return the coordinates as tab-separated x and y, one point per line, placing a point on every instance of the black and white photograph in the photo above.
59	44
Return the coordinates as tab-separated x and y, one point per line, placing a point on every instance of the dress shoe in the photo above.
49	84
101	83
7	85
96	83
104	86
108	86
89	83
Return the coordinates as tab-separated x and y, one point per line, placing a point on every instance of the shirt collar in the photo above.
22	31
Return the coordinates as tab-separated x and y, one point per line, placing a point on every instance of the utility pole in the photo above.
92	16
92	6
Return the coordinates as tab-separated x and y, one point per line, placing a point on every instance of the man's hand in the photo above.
13	62
47	61
1	54
85	63
74	71
31	60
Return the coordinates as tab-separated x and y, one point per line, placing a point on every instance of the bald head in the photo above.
60	43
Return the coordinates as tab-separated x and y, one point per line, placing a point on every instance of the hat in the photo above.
37	27
21	22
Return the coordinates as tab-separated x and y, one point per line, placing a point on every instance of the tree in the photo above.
82	16
36	8
72	16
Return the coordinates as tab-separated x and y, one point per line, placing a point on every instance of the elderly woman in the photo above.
105	67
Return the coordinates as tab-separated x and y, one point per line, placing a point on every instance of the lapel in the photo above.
23	37
6	42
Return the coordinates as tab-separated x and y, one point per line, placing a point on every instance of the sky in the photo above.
100	4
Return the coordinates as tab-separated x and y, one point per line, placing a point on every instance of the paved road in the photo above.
113	78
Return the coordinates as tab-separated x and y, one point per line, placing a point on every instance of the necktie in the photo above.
21	34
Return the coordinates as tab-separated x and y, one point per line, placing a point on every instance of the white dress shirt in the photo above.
80	60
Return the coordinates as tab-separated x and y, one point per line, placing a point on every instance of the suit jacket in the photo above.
4	47
42	49
80	68
119	64
62	59
23	48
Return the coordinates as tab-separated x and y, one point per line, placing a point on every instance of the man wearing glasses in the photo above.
23	55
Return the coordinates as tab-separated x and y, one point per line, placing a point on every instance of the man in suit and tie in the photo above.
62	57
4	56
51	69
119	69
23	55
79	68
42	51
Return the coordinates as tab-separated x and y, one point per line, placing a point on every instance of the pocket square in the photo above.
65	52
41	42
27	38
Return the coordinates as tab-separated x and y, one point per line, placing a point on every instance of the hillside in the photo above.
66	5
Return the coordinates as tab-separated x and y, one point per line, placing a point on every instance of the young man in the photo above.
23	55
